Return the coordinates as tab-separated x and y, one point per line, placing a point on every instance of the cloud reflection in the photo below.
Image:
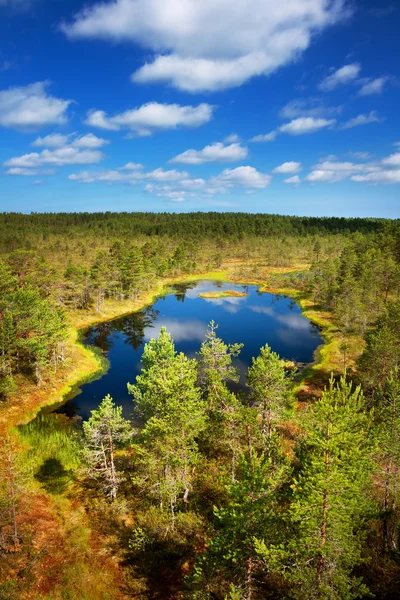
181	331
291	320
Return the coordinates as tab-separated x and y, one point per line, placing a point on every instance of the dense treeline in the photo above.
206	493
16	226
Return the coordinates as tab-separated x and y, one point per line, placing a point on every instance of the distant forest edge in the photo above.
196	225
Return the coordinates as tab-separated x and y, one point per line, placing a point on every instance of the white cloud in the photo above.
288	167
212	44
162	175
31	107
392	161
265	137
89	141
130	173
321	176
57	140
388	176
334	171
212	153
58	157
232	138
152	117
177	185
304	125
294	180
246	177
373	86
22	171
342	76
54	140
371	117
130	166
308	107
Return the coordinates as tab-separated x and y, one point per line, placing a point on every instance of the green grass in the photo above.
224	294
52	454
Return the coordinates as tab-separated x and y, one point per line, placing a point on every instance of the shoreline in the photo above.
89	364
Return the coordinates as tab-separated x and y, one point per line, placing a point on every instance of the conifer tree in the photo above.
104	433
168	401
330	501
269	387
388	458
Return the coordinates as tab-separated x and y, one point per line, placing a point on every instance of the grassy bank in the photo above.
226	294
85	364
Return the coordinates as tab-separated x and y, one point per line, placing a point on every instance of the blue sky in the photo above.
288	107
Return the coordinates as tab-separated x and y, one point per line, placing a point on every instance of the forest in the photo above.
286	488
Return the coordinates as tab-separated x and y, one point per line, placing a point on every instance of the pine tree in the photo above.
387	457
104	433
215	363
269	388
169	403
251	511
330	500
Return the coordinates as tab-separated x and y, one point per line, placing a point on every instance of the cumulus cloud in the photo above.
232	138
308	107
385	171
22	171
178	185
392	161
342	76
130	173
58	157
334	171
288	167
53	140
265	137
299	126
388	176
246	177
209	45
373	86
304	125
371	117
294	180
213	153
151	117
31	107
57	140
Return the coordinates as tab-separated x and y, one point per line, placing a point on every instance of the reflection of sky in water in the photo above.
253	320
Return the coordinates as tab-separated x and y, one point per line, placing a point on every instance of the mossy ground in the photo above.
224	294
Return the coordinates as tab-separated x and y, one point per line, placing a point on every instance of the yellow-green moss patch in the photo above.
223	294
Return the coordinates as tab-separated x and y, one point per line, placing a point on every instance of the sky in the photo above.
286	107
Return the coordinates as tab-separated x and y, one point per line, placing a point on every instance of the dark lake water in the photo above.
253	320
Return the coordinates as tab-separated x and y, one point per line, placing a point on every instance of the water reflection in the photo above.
253	320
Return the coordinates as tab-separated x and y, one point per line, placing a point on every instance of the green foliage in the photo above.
382	353
104	433
169	402
331	500
53	451
270	388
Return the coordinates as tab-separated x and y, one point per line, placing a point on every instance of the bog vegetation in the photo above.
204	493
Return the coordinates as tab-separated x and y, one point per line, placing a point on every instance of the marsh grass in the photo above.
52	452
